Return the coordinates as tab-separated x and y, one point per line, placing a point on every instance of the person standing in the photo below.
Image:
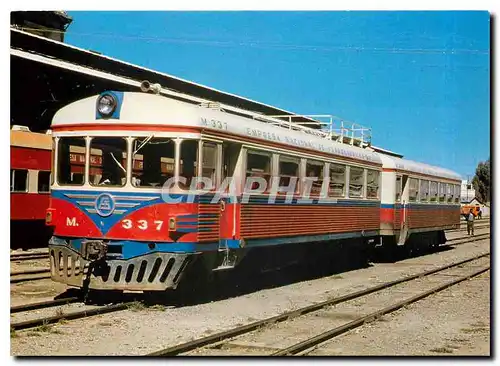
470	222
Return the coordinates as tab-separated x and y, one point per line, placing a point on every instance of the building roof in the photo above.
24	44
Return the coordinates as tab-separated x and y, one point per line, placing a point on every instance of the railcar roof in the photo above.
391	162
150	109
30	139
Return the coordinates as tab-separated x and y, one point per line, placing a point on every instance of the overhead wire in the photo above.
277	46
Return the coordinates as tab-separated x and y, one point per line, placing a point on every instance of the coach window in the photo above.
113	153
372	183
337	180
413	196
449	193
457	193
356	182
399	186
424	190
209	156
288	169
43	181
259	165
18	180
314	169
433	191
153	161
71	161
442	192
188	161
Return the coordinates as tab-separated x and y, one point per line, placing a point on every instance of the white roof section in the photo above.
390	162
149	109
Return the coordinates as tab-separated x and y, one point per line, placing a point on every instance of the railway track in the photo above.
41	255
222	343
44	273
91	311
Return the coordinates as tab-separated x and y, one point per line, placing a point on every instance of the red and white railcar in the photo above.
116	217
30	164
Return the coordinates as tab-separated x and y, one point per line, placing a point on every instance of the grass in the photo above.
441	350
472	330
158	307
136	306
45	327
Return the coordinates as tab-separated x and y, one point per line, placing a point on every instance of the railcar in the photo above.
242	183
418	203
30	164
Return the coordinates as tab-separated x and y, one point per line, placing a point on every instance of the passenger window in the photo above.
209	157
433	191
356	181
457	193
442	192
424	190
288	168
71	161
18	180
43	181
314	169
398	188
337	180
449	193
153	161
188	159
259	165
372	183
413	196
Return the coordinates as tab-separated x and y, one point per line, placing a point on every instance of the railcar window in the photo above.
71	161
424	190
314	169
449	193
259	165
153	161
288	168
188	161
413	196
18	180
356	181
43	181
108	158
442	192
457	193
337	180
433	191
372	183
398	188
209	165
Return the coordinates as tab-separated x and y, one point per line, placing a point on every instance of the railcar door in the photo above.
229	206
404	207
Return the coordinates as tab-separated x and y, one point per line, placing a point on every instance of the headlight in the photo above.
106	105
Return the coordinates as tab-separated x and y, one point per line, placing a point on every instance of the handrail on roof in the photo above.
332	127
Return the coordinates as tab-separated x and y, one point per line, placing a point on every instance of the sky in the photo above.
420	80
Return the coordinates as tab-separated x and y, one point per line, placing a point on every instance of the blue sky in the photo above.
420	80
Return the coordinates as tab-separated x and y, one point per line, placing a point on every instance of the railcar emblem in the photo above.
104	204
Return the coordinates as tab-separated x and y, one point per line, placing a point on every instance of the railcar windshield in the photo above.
71	161
153	161
108	161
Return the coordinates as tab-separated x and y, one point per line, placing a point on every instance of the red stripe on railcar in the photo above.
259	221
28	206
26	158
